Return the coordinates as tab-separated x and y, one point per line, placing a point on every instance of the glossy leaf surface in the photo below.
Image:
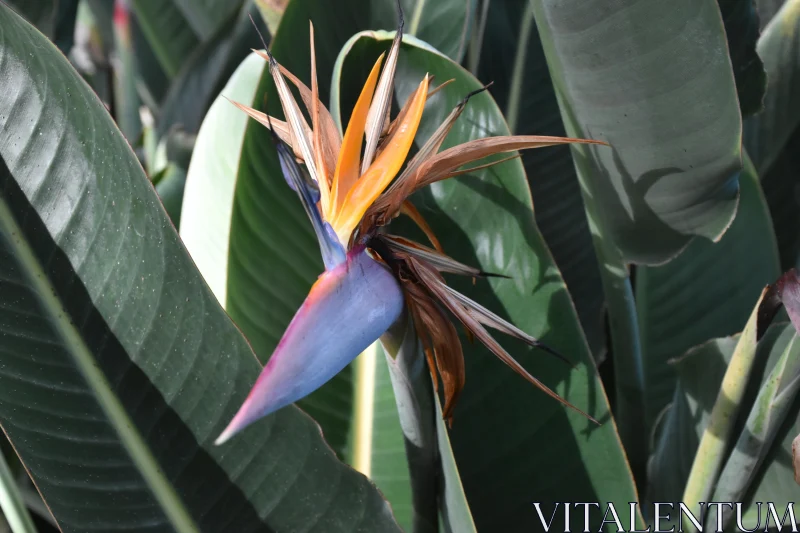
119	368
623	73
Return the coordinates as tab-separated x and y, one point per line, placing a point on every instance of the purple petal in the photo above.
332	251
347	309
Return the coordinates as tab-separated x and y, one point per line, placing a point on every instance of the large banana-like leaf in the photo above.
512	444
624	73
206	16
766	10
513	60
174	28
206	71
40	13
118	367
54	18
706	292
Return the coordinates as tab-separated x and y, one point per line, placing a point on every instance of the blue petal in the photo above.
332	251
347	309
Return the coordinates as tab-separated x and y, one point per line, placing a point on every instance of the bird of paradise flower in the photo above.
372	277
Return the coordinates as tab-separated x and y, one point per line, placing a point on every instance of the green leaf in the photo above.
766	134
272	12
624	73
767	9
211	180
170	189
376	445
40	13
402	452
742	30
486	220
168	32
336	22
455	511
516	65
773	136
706	292
207	16
207	70
118	367
152	81
701	371
408	452
444	25
54	18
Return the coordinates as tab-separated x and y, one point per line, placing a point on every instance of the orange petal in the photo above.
399	118
349	155
391	126
387	205
383	169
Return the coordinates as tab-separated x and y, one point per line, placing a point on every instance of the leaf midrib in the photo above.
129	437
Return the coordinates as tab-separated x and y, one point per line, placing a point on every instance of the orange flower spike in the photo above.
383	170
347	166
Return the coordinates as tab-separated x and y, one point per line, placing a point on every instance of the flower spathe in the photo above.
354	303
371	276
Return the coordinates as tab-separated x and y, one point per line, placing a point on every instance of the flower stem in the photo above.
364	406
626	346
